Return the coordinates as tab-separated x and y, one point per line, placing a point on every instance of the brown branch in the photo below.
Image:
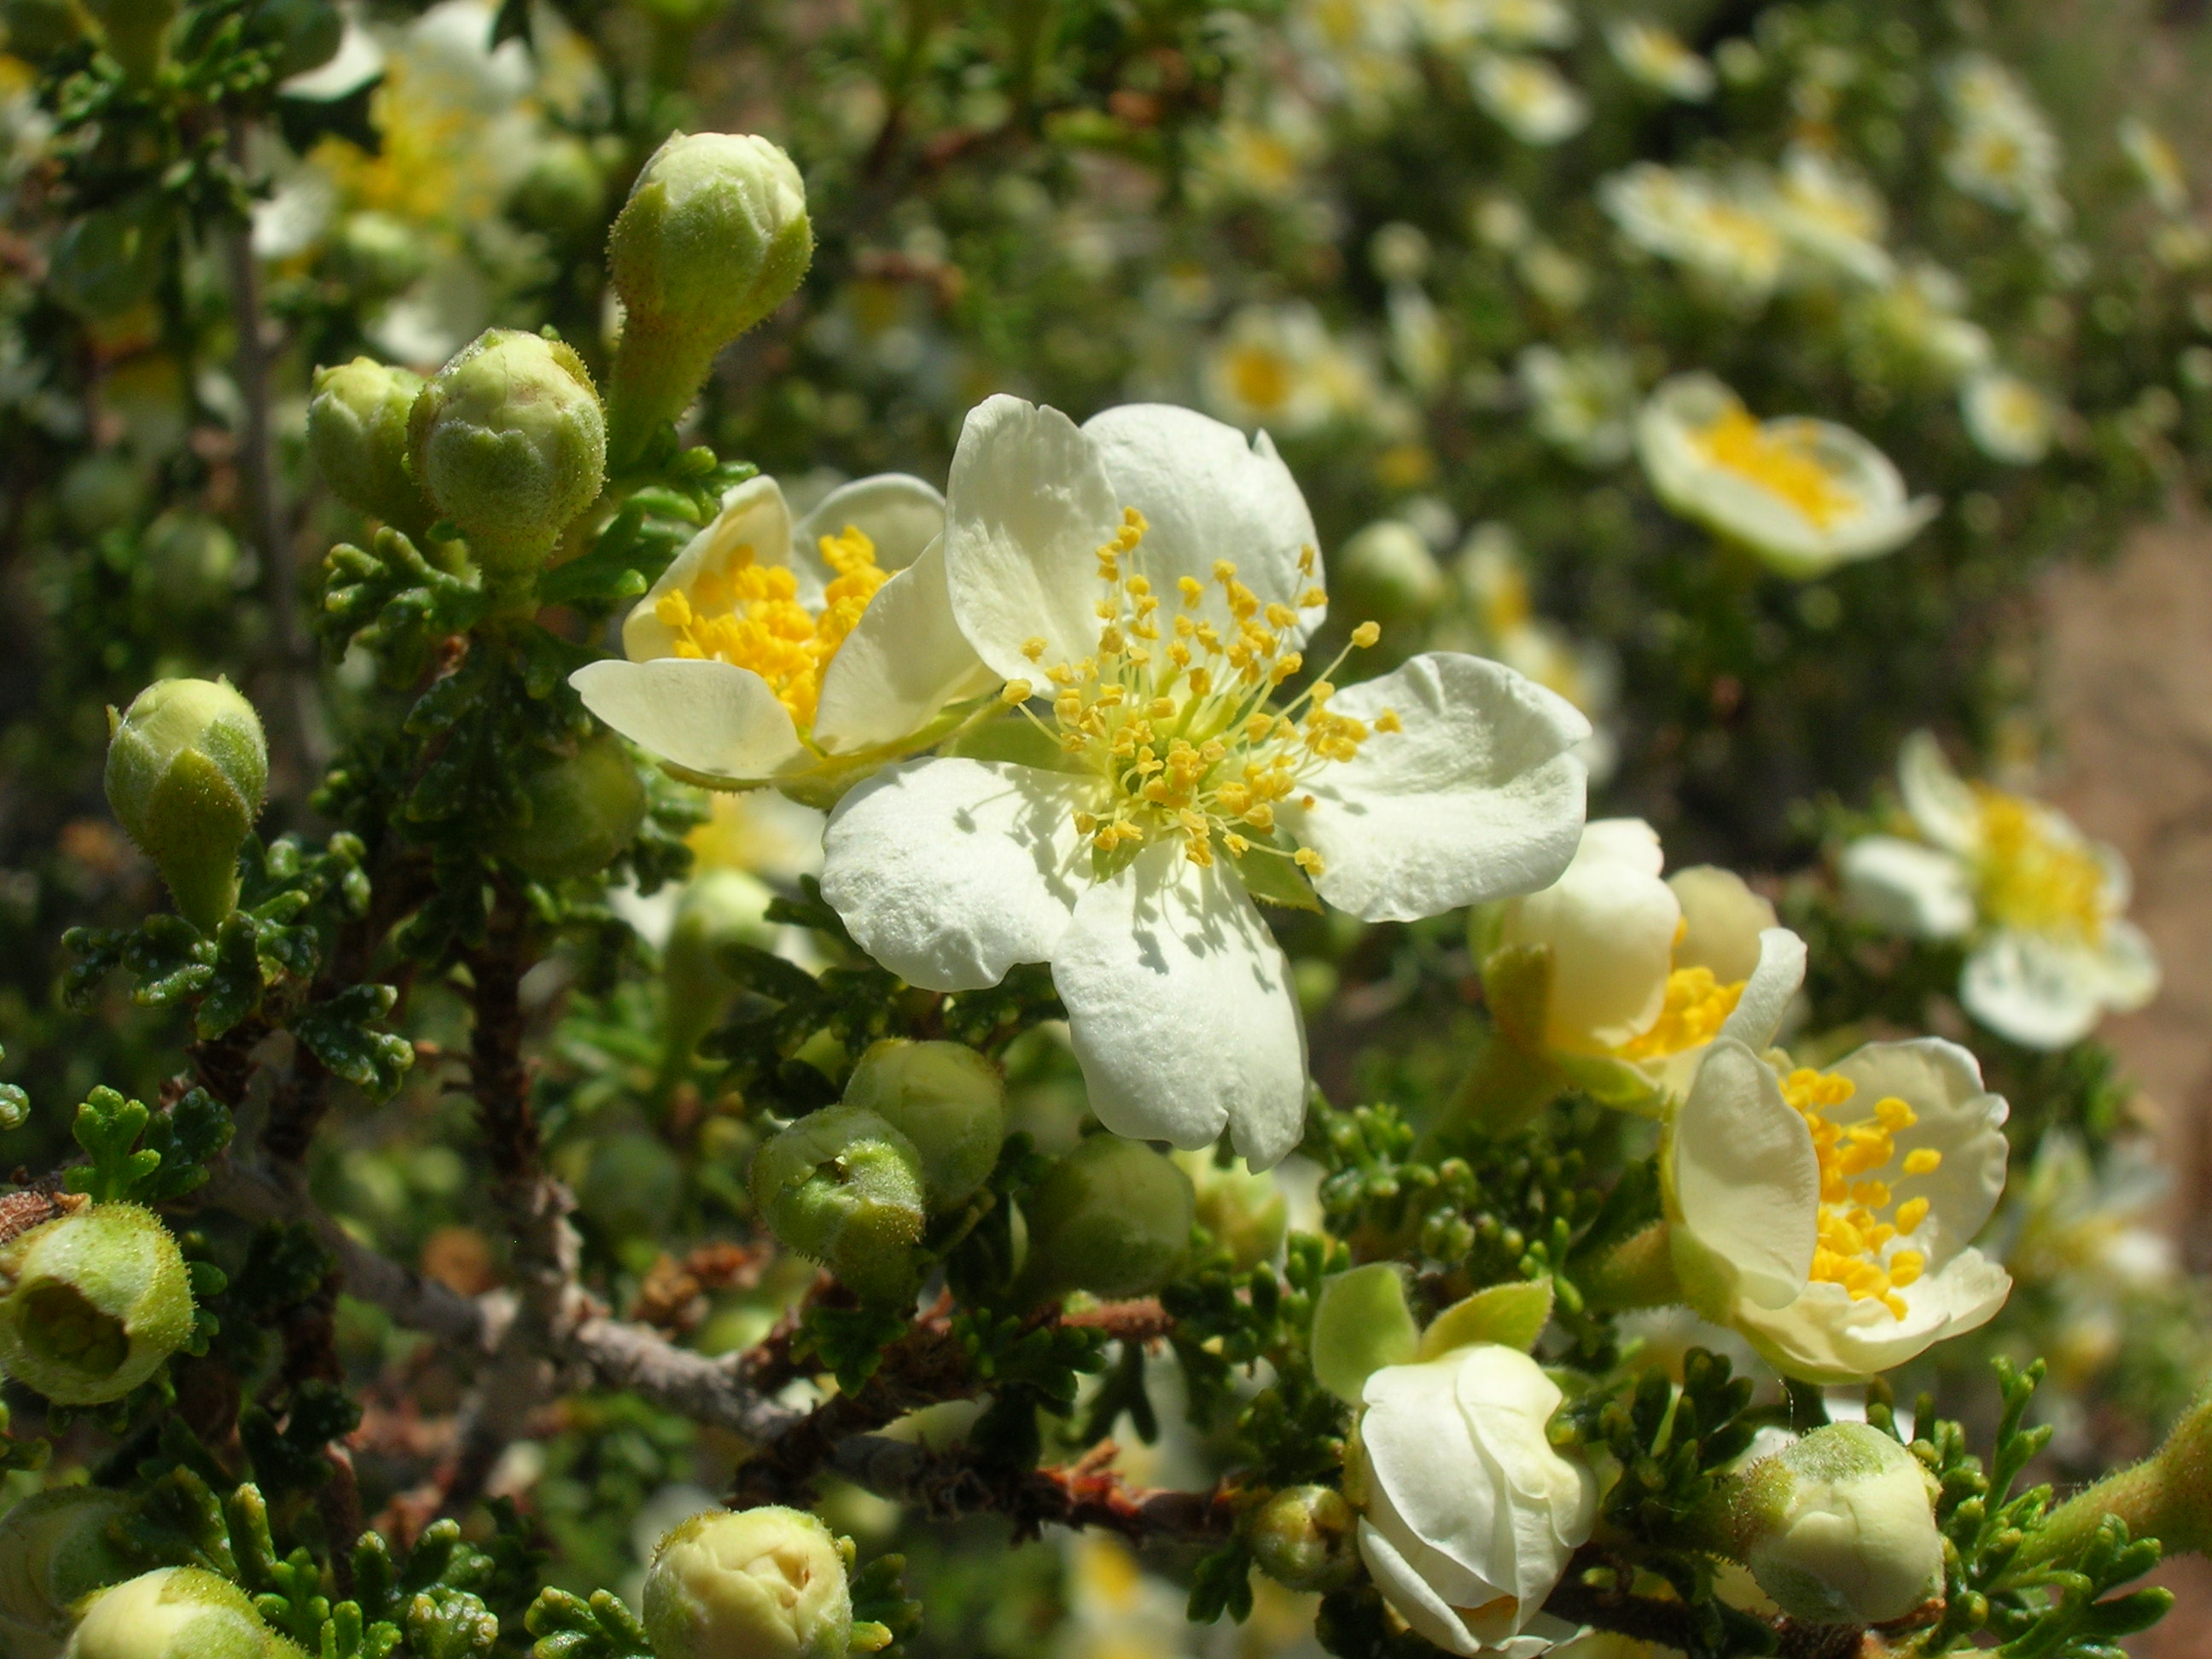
945	1485
1142	1321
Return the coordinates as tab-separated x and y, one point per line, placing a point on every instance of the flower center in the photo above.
1862	1218
2033	879
1696	1006
1172	713
1259	376
750	614
1783	464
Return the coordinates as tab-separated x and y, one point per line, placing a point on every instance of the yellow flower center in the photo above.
2033	879
1259	376
1696	1006
1172	712
1862	1216
1784	464
750	614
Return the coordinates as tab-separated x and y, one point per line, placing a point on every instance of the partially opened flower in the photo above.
2008	418
768	647
1655	56
1153	573
1828	1216
1527	97
1804	494
1723	233
1830	216
2041	908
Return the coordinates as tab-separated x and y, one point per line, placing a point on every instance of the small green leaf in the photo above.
1360	1324
1512	1315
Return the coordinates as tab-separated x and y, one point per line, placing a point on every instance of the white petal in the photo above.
1477	798
1179	1005
1434	1483
950	871
1958	1118
1767	994
1722	921
1942	806
1610	923
1410	1595
753	517
2039	992
1207	494
904	660
1745	1180
2130	965
1026	508
1825	1337
1907	887
901	516
706	717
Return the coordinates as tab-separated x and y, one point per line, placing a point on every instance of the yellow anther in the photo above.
1895	1114
1923	1160
1236	844
1261	816
1311	598
1905	1267
1909	1215
1139	586
1365	634
1191	589
1033	646
1280	616
1308	861
1387	721
1161	708
1223	571
1307	555
1106	610
1015	693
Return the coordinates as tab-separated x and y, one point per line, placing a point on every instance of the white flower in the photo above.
2003	151
1827	1215
1493	578
2156	163
1276	367
1469	1515
1724	233
1921	316
1583	401
2008	419
1153	574
1830	216
1655	57
1804	494
2041	907
1522	23
766	647
1527	97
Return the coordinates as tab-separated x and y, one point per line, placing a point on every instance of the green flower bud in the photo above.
176	1613
108	262
100	492
844	1188
135	33
632	1185
187	769
1112	1218
93	1303
1307	1538
714	236
357	432
377	254
1839	1528
55	1551
1247	1213
718	908
509	442
579	814
39	30
765	1583
189	562
565	191
946	1098
1387	574
305	33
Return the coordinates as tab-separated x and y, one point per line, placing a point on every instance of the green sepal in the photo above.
1511	1316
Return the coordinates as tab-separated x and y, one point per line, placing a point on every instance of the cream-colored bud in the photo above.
1839	1528
176	1613
762	1584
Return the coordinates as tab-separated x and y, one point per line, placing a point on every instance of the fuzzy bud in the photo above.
718	908
187	770
176	1613
509	442
946	1098
55	1551
565	191
762	1584
92	1303
580	814
1306	1537
1112	1218
844	1188
377	254
714	236
358	433
1839	1528
189	561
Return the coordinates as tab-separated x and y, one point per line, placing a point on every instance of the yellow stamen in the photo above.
1784	464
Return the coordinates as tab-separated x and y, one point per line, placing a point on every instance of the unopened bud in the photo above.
92	1303
579	814
714	236
946	1098
509	442
632	1185
187	769
844	1188
718	908
564	192
176	1613
1387	573
358	433
377	254
764	1584
55	1551
1839	1528
108	262
1245	1212
1306	1537
189	562
135	33
1112	1218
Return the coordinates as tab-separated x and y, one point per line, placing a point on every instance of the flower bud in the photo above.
946	1098
1245	1211
1839	1528
1306	1537
358	433
579	814
55	1551
509	442
92	1303
377	254
714	236
1112	1218
176	1613
565	191
189	562
632	1184
108	262
718	908
187	769
844	1188
765	1583
135	33
1387	574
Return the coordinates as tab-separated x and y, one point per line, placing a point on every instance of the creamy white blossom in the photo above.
1529	97
1804	494
1655	56
1723	232
1582	402
1279	366
1920	317
2041	908
1468	1514
1828	1215
1153	574
2008	419
2002	149
1831	217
